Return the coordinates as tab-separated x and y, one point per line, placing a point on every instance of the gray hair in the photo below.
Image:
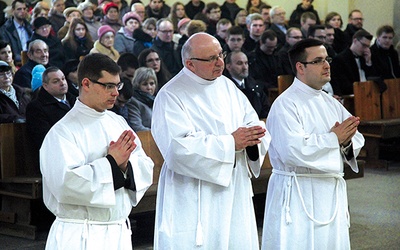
251	17
143	74
274	9
33	43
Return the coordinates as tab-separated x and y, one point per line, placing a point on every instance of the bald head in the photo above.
198	41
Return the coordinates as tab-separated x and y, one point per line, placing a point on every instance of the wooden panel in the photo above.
390	99
284	81
152	151
367	102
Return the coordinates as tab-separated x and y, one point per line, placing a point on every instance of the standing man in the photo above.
355	23
212	141
313	136
16	31
93	166
278	24
293	36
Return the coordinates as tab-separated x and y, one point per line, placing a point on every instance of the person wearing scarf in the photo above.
105	44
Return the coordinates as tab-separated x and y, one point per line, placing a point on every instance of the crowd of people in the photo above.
170	60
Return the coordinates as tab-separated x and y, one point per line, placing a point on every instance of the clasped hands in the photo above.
346	130
248	136
122	148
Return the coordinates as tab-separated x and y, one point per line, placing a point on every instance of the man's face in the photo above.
6	79
165	31
361	47
156	5
100	98
357	19
315	75
265	15
222	29
215	14
279	16
20	12
256	28
39	53
320	35
208	70
139	9
306	4
57	85
330	36
307	23
269	46
128	73
385	40
59	6
235	42
239	66
294	37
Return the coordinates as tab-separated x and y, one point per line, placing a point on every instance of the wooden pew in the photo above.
20	183
380	117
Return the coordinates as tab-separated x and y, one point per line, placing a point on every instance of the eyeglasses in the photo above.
221	55
358	19
153	60
363	44
318	61
280	14
166	31
5	74
109	86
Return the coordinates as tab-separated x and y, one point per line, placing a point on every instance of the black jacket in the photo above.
42	113
386	61
9	112
56	50
168	54
294	20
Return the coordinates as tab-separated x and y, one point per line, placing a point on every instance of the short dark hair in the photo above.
298	52
235	30
360	34
15	3
351	12
313	28
4	44
128	60
45	75
309	15
264	6
228	59
268	34
380	31
210	6
92	66
127	89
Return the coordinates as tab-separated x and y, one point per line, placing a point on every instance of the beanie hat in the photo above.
5	65
183	21
69	10
130	15
85	5
108	6
104	29
39	22
37	73
99	2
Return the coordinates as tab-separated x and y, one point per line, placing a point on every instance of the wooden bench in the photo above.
380	117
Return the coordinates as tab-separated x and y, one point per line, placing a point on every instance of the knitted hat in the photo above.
108	6
37	73
69	10
99	2
130	15
85	5
39	22
104	29
183	21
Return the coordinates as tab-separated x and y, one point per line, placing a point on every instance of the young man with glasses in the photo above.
13	99
354	64
93	166
293	35
313	136
212	141
355	24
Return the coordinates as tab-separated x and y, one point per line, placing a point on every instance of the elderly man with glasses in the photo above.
93	165
212	142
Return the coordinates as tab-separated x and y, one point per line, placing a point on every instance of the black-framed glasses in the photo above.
221	55
5	74
319	61
363	44
109	86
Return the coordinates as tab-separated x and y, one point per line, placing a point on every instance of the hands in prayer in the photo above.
250	136
346	130
122	148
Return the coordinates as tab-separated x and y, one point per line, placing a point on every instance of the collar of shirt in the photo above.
239	82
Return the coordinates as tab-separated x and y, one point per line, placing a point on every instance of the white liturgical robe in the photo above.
78	182
204	197
306	205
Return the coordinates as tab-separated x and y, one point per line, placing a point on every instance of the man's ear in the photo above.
85	83
300	68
